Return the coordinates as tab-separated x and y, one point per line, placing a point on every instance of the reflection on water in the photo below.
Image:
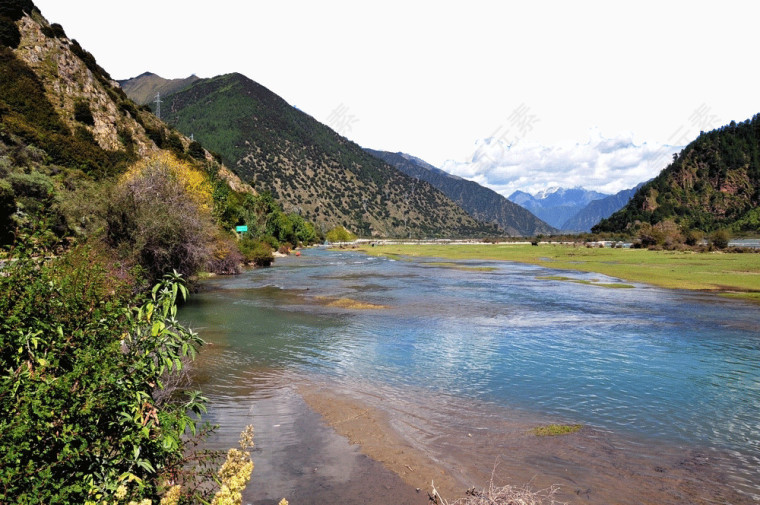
668	366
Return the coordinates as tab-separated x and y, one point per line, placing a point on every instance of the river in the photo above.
665	382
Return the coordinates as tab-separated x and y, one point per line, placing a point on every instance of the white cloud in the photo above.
602	164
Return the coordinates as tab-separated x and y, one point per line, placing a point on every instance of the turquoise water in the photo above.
661	365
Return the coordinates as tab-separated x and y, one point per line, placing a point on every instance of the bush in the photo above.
160	217
15	9
720	238
174	143
257	251
9	33
195	149
85	409
225	256
82	113
693	237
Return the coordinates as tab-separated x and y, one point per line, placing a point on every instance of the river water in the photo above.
668	375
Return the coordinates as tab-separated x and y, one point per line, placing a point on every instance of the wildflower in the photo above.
121	492
171	497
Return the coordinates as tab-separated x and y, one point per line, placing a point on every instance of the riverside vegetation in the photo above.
99	200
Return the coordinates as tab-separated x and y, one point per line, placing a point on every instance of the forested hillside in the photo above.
481	203
308	168
713	183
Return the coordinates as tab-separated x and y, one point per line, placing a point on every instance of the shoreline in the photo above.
591	466
370	429
732	275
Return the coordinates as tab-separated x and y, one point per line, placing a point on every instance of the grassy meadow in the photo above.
730	274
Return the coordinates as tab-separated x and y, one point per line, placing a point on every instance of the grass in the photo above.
735	274
553	430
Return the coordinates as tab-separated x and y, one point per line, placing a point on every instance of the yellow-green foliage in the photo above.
340	234
552	430
196	184
160	218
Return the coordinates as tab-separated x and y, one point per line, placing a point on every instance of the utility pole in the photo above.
158	102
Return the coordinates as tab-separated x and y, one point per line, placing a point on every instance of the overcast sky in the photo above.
570	93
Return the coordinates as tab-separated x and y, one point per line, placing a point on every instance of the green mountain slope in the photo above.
481	203
308	167
714	182
143	88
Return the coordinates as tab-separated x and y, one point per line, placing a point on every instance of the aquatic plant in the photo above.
552	430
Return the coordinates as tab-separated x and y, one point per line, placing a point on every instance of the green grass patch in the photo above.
734	273
553	430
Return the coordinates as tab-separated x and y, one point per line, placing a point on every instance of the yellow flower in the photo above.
171	497
121	492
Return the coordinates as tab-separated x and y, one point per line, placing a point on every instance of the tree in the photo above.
339	234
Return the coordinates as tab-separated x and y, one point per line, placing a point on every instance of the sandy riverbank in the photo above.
590	467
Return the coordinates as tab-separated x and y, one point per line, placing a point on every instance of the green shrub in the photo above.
15	9
54	31
720	238
174	143
195	149
82	113
86	383
9	33
156	135
257	251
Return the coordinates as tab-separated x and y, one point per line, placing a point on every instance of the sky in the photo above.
514	95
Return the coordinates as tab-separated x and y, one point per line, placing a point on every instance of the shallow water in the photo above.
664	368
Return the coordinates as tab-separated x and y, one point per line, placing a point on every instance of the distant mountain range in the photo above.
144	88
309	168
481	203
713	183
556	205
596	210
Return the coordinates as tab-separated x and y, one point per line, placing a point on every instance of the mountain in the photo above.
66	128
309	168
597	210
556	205
481	203
713	183
143	88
